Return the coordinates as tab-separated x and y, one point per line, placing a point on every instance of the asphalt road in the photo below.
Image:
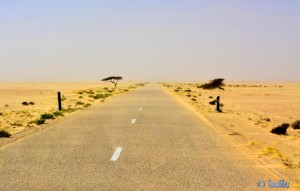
142	140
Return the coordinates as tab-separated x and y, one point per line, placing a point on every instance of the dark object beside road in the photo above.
281	129
4	133
213	84
296	124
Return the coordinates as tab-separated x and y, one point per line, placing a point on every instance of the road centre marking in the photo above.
116	154
133	121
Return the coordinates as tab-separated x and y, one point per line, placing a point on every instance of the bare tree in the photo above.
213	84
113	79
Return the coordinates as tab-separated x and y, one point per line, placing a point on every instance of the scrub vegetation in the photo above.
256	114
16	116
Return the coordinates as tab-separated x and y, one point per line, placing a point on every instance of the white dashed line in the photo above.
140	108
133	121
116	154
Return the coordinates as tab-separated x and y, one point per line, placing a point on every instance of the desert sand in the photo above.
16	117
250	111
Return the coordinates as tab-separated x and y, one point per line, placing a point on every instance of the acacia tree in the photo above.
113	79
213	84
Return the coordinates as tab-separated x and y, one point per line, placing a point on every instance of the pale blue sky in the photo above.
87	40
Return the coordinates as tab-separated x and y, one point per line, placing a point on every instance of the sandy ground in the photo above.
16	117
250	111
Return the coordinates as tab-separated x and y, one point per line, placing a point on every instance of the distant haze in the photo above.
155	40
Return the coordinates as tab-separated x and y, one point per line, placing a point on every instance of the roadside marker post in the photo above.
218	104
59	101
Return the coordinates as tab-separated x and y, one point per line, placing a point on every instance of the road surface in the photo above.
142	140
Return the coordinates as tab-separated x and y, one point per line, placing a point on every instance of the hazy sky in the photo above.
190	40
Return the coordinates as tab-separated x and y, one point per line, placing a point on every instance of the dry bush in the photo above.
4	133
213	84
296	124
281	129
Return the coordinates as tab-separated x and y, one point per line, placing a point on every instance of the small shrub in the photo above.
212	102
39	121
296	124
272	151
193	99
30	122
58	113
251	142
102	96
210	97
80	93
25	103
289	163
235	133
79	103
188	90
16	124
90	92
169	86
47	116
87	105
80	97
4	133
1	114
6	105
31	103
176	90
69	110
281	129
